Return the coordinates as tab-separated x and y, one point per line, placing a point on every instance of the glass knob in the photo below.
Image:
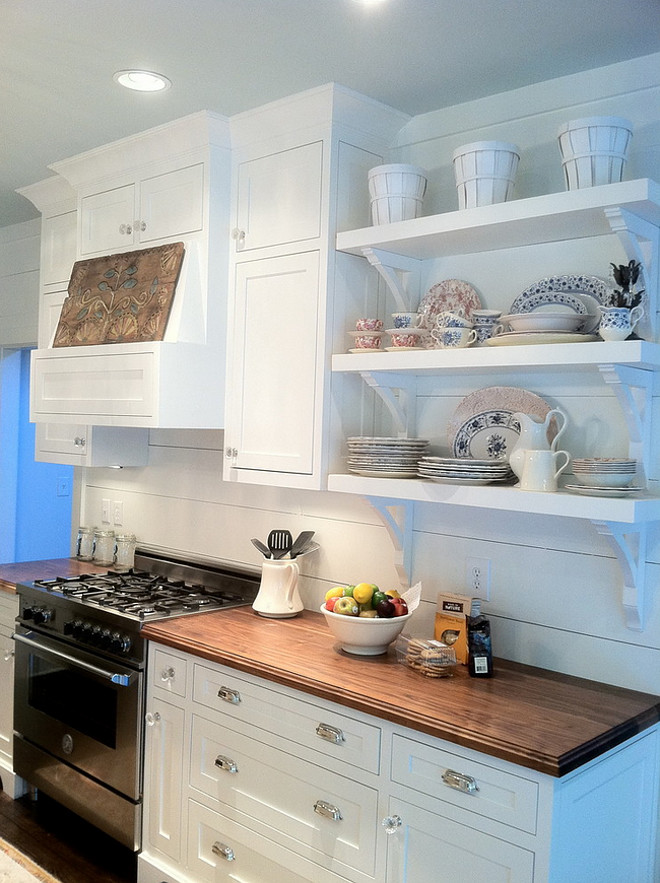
392	824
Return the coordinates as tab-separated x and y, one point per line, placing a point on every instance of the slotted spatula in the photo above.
279	542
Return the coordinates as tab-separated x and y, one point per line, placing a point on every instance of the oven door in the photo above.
81	708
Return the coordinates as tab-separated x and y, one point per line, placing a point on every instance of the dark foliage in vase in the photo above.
626	276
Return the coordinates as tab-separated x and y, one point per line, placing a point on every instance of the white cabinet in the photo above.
293	188
155	208
248	779
11	784
168	184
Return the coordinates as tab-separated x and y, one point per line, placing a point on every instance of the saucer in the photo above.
586	491
403	349
367	349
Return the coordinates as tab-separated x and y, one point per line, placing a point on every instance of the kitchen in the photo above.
181	495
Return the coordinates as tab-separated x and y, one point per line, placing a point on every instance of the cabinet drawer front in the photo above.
428	848
269	790
498	795
117	384
169	672
220	849
303	723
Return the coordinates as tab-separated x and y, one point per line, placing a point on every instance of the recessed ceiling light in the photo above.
142	81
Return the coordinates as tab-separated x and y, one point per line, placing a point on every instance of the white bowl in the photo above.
537	321
604	479
362	635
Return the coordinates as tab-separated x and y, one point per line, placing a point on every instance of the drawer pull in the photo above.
330	733
460	781
167	674
223	851
391	824
323	808
225	763
229	695
152	718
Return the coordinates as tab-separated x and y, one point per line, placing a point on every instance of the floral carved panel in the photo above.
121	298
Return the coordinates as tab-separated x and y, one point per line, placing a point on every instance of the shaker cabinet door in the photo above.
106	221
273	392
279	198
171	204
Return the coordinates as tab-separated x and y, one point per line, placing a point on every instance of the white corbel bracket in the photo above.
394	282
396	515
629	545
402	404
633	388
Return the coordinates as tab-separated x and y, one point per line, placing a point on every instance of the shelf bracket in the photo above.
641	242
633	388
396	515
629	545
394	282
398	392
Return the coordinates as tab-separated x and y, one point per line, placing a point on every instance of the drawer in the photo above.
300	721
221	850
270	791
169	672
497	795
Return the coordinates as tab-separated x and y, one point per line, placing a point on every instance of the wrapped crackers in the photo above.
433	659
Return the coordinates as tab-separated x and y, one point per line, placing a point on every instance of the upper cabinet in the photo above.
288	289
168	184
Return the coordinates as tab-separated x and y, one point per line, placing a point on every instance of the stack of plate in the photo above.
462	471
379	457
606	475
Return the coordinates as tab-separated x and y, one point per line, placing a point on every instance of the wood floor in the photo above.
63	844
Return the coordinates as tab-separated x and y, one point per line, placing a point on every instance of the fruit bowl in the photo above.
364	636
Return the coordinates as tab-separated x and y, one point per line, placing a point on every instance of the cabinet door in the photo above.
428	848
79	445
164	753
106	220
171	204
58	248
279	198
274	388
6	692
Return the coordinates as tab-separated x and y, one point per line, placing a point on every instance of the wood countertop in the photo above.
26	571
539	719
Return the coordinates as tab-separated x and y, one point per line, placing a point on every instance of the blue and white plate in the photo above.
583	294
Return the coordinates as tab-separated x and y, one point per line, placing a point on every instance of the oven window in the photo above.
74	698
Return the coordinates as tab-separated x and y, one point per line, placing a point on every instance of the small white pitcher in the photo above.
540	471
278	596
618	323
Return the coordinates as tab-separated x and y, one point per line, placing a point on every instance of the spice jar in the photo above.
85	543
125	551
104	547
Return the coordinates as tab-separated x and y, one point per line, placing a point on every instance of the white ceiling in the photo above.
57	58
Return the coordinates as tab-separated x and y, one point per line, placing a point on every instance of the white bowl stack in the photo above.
604	472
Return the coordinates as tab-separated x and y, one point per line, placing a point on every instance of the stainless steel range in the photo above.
80	678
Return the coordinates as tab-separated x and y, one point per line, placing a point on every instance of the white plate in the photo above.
403	349
372	473
463	480
560	320
603	491
482	426
525	338
367	349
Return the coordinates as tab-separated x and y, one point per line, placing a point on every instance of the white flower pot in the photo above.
397	191
594	150
485	172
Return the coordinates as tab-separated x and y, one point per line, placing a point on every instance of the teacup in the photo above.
453	338
453	319
540	471
485	323
368	341
406	320
405	337
369	325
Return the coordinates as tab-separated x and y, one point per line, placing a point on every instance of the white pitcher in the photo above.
534	437
278	596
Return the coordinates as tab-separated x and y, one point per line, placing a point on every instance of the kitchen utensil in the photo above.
310	547
300	542
265	551
279	542
278	596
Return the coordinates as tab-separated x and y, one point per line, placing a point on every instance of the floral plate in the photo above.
451	294
581	293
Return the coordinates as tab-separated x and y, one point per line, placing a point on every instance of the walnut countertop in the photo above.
549	722
26	571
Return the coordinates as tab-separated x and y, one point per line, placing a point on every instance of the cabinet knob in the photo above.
328	810
140	226
230	453
126	229
330	733
225	763
229	695
152	718
167	674
79	441
460	782
392	824
8	655
238	236
223	851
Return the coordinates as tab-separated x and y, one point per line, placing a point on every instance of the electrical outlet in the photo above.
63	486
105	511
477	577
118	512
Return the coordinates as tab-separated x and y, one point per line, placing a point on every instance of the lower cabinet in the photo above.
11	784
250	780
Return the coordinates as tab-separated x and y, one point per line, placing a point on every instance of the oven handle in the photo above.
124	680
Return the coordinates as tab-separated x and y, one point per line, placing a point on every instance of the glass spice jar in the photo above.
125	551
85	543
104	547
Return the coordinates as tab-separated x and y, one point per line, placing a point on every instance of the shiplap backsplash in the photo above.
556	585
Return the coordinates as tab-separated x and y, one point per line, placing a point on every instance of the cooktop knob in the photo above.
120	643
41	615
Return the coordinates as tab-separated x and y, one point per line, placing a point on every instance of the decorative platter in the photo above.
451	294
524	338
483	427
567	291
